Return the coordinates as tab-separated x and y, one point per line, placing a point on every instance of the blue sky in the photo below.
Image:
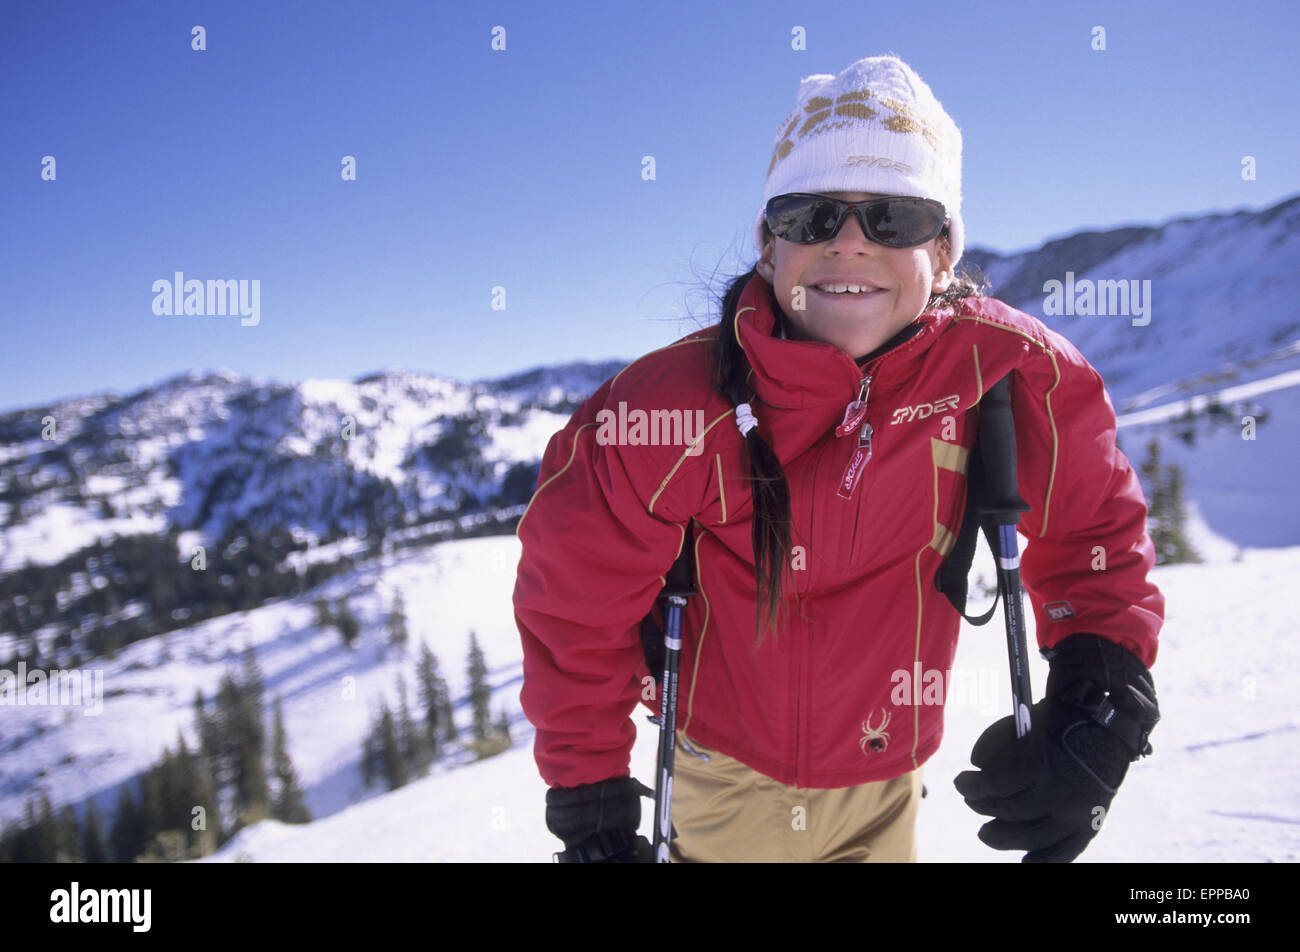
522	168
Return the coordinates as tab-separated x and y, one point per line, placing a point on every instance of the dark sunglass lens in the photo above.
801	220
901	224
822	218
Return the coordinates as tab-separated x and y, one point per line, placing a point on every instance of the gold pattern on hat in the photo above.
899	107
902	124
781	152
783	143
812	121
856	110
819	108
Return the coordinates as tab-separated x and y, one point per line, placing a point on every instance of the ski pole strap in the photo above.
953	576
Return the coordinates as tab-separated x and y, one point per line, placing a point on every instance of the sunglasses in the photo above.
895	221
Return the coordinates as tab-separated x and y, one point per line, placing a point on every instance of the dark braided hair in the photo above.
771	491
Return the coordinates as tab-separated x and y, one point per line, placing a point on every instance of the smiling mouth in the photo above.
846	295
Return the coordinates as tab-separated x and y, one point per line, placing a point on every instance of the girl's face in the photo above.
855	323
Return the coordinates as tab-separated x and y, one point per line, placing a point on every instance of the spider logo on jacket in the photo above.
877	738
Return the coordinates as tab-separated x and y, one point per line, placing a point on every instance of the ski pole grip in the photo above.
997	437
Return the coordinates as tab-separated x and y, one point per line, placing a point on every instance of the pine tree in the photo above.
1166	509
348	625
1174	544
257	791
370	753
411	740
1150	470
253	791
503	727
45	841
242	750
67	836
390	753
324	616
126	836
288	806
480	694
426	673
397	630
21	845
152	807
204	791
92	839
203	729
193	789
447	714
251	676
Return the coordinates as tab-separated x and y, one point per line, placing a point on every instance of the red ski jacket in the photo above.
616	493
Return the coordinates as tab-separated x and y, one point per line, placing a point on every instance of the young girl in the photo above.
838	400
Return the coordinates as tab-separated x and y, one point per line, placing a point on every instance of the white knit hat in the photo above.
875	127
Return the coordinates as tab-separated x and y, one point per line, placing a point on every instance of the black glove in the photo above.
1049	792
598	821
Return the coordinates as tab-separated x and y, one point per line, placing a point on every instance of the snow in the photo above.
60	529
527	441
1219	787
1242	485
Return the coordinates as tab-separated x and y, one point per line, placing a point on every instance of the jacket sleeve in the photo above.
592	563
1087	554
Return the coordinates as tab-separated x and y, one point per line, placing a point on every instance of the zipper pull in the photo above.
856	411
855	416
853	472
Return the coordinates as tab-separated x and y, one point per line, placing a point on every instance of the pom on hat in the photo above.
876	127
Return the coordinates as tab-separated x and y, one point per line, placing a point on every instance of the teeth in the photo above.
844	288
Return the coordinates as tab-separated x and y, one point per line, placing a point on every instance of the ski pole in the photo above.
663	823
679	584
1001	510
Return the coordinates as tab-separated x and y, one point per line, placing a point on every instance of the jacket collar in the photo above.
814	375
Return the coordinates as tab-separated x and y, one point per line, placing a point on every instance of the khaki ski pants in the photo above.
726	812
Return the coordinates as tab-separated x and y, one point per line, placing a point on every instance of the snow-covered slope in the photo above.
329	691
201	451
1220	785
1239	450
1222	293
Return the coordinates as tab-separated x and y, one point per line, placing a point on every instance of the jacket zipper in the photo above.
855	417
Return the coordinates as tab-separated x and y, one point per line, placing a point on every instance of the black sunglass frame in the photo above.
862	210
